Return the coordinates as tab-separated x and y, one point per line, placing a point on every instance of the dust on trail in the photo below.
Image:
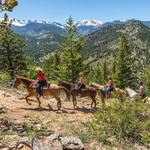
17	107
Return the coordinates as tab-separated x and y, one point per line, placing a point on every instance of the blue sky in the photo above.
60	10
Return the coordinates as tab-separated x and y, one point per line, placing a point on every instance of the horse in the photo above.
50	91
135	95
116	91
74	91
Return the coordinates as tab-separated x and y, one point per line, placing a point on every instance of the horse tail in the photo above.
65	90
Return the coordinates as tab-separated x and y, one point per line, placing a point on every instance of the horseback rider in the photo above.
41	81
141	90
109	86
81	82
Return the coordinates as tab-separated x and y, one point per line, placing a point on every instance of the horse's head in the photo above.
17	81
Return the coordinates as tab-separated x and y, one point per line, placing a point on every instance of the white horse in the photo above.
132	94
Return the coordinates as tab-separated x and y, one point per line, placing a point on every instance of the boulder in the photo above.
47	145
53	137
72	143
42	144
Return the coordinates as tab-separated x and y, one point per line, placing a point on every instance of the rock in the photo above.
2	146
3	110
139	147
53	137
19	129
72	143
22	146
47	145
57	145
111	139
42	144
4	129
5	149
7	95
95	145
26	140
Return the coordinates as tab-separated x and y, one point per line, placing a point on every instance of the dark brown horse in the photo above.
121	94
51	91
74	91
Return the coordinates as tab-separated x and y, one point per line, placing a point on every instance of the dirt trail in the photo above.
18	109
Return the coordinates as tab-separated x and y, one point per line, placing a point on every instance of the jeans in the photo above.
81	86
40	85
107	89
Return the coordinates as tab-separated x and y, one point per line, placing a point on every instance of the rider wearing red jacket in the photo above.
41	81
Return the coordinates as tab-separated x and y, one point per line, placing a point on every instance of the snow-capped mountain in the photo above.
84	22
87	22
29	26
86	26
20	23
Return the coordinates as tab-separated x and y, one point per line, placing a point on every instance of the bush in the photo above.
126	122
4	78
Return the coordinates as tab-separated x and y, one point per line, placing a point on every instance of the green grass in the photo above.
124	123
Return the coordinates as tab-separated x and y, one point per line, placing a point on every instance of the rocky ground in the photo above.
26	127
20	122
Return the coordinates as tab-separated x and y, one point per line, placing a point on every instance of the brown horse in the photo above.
74	91
51	91
121	94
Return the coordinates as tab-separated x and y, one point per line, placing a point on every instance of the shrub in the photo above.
126	122
4	78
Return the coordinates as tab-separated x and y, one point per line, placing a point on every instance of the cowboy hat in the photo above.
80	73
38	69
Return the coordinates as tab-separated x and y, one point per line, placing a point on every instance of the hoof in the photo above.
93	105
49	106
39	108
29	103
75	107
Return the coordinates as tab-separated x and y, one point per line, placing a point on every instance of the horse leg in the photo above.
27	99
93	102
38	98
58	102
102	97
74	101
68	97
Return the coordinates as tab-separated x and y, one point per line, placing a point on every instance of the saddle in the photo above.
35	83
47	86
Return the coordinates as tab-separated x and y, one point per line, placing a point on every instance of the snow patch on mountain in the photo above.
87	22
17	22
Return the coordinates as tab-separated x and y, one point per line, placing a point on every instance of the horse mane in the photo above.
66	82
25	78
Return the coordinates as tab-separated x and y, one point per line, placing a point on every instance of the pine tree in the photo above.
145	76
123	71
50	65
71	57
104	71
7	5
12	58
